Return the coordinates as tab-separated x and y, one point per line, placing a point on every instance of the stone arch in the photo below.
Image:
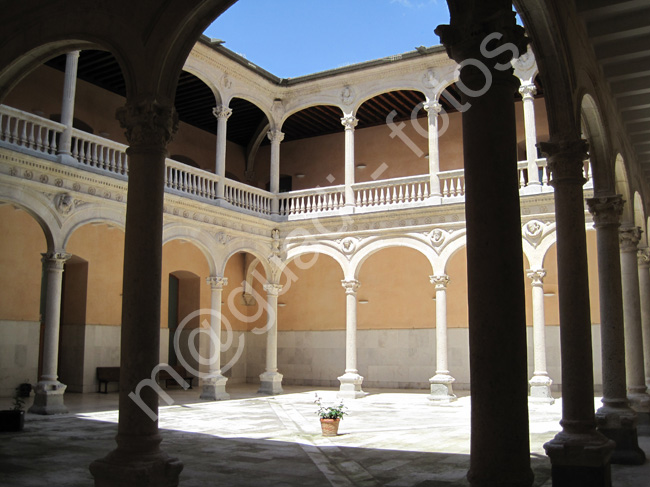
202	240
258	249
623	188
639	218
362	254
85	216
594	131
319	248
375	91
193	66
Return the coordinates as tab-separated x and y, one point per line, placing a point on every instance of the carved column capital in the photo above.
441	281
628	238
566	160
643	256
217	282
527	91
351	286
349	122
222	112
272	289
536	276
148	123
275	136
55	260
432	107
606	210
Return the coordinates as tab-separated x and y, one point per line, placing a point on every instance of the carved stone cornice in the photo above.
536	276
222	112
148	123
55	260
643	258
527	91
628	238
606	210
440	281
217	282
349	122
272	289
275	136
566	160
351	286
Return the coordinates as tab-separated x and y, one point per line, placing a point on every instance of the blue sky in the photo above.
291	38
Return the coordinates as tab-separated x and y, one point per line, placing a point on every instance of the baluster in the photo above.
588	170
30	136
2	126
419	195
400	196
545	176
23	133
39	138
95	159
101	159
14	132
522	178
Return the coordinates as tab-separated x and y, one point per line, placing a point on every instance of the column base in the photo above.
580	459
155	471
270	383
350	386
214	388
48	398
640	402
441	389
540	390
619	424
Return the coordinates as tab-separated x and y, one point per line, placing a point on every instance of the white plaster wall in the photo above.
18	355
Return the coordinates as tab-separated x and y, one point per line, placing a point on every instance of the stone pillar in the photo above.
214	384
349	122
615	419
441	389
67	105
500	452
433	108
138	460
540	383
222	113
528	92
644	291
49	391
271	379
351	381
636	389
579	454
275	136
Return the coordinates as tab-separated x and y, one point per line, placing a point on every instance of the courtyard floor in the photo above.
390	438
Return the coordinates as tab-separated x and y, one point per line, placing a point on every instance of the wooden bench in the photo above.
106	375
166	376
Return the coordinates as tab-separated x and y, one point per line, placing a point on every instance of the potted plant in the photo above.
13	419
330	417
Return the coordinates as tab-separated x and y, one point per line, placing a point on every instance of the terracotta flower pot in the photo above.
330	427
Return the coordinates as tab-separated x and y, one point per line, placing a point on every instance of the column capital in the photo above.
566	159
148	122
606	210
440	281
55	260
536	276
628	238
275	136
527	91
272	289
217	282
222	112
432	107
73	54
643	257
349	122
351	286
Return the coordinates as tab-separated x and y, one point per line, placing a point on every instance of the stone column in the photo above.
138	460
433	108
271	379
615	419
528	92
500	452
222	113
67	105
275	136
636	389
579	454
49	391
540	383
351	380
214	384
644	291
349	122
441	389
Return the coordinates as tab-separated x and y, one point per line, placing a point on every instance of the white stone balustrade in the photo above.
392	191
28	131
310	201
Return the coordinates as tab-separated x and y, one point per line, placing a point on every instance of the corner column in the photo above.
540	383
579	454
527	92
275	136
271	379
433	109
441	389
67	106
636	389
349	122
615	419
214	384
222	113
138	460
644	291
49	391
351	380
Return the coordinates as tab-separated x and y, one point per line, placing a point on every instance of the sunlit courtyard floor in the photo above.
389	438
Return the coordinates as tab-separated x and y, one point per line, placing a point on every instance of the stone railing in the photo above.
452	183
98	152
390	192
29	132
249	198
311	201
